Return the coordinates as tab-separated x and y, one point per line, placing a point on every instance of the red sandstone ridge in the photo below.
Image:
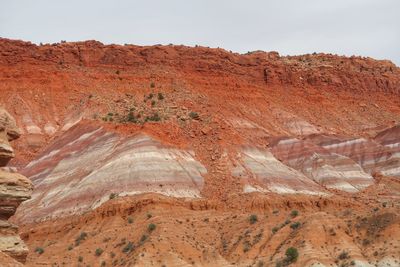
179	156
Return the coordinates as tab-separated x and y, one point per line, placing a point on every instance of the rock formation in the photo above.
14	189
329	169
75	174
233	158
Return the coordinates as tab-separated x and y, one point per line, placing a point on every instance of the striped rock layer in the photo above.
329	169
372	155
263	172
89	165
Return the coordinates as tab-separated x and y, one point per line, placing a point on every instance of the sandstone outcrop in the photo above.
14	189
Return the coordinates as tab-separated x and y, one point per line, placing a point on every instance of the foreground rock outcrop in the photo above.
14	189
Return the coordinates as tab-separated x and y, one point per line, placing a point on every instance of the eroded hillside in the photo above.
178	156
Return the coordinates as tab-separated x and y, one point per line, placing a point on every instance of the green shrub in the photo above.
151	227
291	254
98	251
275	229
131	117
160	96
154	117
295	225
82	236
294	213
194	115
253	219
113	195
39	250
344	255
128	248
153	102
143	238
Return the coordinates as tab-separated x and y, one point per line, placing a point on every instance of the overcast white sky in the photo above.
359	27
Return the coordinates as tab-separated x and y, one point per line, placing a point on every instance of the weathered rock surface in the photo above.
87	166
264	173
14	189
329	169
371	155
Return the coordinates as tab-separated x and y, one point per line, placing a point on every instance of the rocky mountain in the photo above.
179	156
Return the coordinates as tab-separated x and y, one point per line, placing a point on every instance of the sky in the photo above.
291	27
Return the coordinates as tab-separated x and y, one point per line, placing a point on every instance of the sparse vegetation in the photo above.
343	255
130	220
152	85
39	250
98	251
82	236
151	227
253	219
128	248
291	255
149	215
113	195
80	258
194	115
295	225
143	238
70	247
160	96
131	117
275	229
154	117
294	213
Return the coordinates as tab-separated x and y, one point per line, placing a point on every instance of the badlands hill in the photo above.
179	156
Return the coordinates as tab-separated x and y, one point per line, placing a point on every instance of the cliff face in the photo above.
14	189
51	87
195	141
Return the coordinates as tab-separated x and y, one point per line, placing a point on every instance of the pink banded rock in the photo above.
390	138
332	170
263	172
371	155
87	164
